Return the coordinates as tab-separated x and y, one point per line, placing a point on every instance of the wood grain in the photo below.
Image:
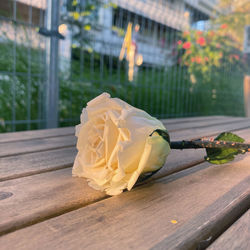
236	237
195	133
141	219
199	124
52	185
27	156
30	146
34	163
46	133
35	134
34	145
50	194
172	124
196	119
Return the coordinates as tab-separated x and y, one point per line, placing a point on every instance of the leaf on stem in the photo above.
224	155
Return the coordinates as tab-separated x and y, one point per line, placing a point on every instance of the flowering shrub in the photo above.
204	51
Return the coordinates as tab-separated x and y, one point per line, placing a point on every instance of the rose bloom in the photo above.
198	59
224	26
236	56
116	144
186	45
201	41
198	33
179	42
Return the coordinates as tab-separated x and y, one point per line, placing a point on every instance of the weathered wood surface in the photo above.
45	193
34	163
34	145
39	162
39	209
35	134
236	237
141	219
45	133
42	144
198	124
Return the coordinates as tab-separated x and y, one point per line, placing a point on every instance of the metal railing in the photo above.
46	81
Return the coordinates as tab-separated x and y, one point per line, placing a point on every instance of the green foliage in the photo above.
21	90
208	51
223	155
159	91
236	15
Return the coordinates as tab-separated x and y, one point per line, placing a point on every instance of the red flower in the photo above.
224	26
193	59
236	57
179	42
188	52
198	33
186	45
201	40
206	59
198	59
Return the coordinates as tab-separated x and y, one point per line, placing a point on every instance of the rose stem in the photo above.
209	144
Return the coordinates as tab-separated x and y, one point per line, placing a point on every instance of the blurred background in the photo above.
172	58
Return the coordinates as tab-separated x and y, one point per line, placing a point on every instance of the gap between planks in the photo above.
236	237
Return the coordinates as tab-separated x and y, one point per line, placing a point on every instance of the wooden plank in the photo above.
28	164
46	133
195	133
46	195
199	124
236	237
35	134
196	119
28	146
173	124
141	219
203	228
40	162
42	196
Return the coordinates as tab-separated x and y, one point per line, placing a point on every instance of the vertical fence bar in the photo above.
13	88
52	70
247	95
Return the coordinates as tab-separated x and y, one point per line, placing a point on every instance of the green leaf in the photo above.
223	155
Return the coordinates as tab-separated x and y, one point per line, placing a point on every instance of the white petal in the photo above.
98	99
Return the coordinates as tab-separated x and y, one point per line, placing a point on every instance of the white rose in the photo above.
114	145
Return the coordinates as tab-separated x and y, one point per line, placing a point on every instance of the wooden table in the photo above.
186	205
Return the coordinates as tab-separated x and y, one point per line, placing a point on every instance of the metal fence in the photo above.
46	81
